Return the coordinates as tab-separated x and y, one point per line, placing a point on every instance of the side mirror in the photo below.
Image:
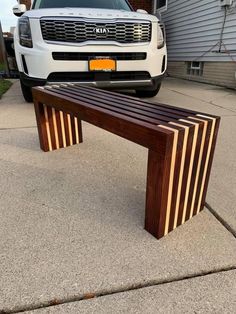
19	9
142	11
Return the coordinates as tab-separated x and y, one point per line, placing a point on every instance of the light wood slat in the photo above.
47	128
172	169
190	166
207	159
70	130
181	171
63	129
55	128
76	130
199	163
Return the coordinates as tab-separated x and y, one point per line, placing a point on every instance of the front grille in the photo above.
79	31
85	56
98	76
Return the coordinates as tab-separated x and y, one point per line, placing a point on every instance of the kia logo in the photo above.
101	31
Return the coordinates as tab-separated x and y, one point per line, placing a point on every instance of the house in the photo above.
143	4
27	3
201	39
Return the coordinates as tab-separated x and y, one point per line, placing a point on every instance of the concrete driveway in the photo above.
71	221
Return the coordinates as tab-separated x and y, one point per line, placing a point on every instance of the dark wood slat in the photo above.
111	109
117	109
159	119
158	175
127	97
72	120
80	130
130	104
41	124
163	116
145	102
146	105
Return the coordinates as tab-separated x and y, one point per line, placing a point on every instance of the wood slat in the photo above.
118	108
127	97
194	170
181	215
59	129
73	127
179	178
132	103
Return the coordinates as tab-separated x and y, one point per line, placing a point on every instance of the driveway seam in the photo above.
18	128
206	102
220	219
89	296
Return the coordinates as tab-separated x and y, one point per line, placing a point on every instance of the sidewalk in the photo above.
71	221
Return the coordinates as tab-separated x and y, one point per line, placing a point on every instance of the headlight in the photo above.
160	38
25	32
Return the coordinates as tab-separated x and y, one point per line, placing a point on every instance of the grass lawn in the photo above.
2	68
4	86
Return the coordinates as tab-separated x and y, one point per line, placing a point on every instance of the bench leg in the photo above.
177	182
56	129
157	193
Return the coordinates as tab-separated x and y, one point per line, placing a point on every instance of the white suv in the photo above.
103	43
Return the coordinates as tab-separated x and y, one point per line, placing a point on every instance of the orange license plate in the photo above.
106	65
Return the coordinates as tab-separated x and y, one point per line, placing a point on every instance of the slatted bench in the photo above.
181	144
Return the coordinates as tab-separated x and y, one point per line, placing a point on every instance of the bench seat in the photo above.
180	144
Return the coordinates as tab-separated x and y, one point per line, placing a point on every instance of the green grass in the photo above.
2	68
4	86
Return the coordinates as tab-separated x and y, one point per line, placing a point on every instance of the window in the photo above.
161	5
195	68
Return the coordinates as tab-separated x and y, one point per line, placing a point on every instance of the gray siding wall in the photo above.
217	73
193	28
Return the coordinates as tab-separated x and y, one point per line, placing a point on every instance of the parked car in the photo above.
97	42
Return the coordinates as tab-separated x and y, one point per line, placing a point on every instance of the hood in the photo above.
90	14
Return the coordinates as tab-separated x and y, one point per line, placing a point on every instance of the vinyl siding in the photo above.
193	30
217	73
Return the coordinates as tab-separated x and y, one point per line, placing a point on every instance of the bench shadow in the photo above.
20	138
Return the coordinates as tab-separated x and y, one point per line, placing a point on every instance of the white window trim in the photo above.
195	67
199	67
162	9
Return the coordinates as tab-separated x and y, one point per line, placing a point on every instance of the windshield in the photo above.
98	4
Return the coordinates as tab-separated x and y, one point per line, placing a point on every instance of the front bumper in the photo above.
123	84
41	66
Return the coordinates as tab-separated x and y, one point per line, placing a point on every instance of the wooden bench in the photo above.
181	144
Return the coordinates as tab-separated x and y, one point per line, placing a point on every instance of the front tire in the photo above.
27	92
145	93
